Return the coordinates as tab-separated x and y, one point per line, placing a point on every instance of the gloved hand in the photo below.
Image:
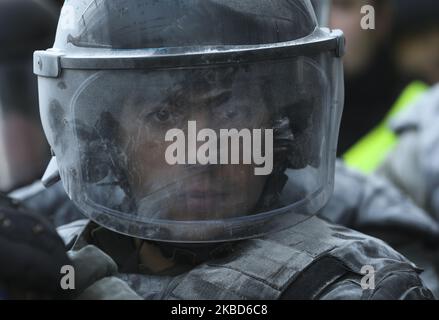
96	277
31	255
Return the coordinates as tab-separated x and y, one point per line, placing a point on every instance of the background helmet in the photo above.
128	81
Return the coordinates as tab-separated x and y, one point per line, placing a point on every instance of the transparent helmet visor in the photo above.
197	154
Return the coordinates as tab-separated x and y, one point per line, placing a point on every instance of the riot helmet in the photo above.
193	121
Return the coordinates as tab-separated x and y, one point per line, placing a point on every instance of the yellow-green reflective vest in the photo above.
371	150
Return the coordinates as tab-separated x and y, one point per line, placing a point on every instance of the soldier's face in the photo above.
191	191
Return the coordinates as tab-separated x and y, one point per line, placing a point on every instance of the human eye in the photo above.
160	116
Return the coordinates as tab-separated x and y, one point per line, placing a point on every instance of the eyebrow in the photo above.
203	99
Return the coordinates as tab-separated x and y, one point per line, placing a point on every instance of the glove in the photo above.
31	255
96	277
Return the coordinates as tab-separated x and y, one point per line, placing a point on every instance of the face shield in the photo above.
195	144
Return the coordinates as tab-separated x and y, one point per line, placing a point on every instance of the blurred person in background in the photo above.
416	39
413	165
399	202
375	89
411	158
30	244
400	148
25	25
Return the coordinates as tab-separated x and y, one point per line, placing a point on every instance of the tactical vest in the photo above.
305	259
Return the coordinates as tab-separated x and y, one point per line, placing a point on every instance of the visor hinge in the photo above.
47	63
341	45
